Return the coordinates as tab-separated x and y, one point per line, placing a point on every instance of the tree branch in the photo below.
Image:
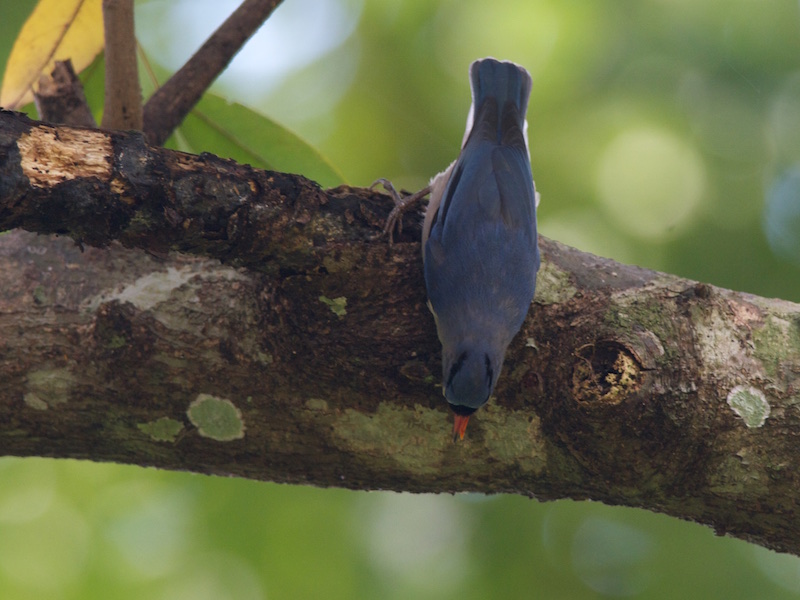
60	98
165	109
319	363
122	108
99	186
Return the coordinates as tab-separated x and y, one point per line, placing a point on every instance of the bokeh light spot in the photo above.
31	491
420	540
530	34
781	569
650	182
612	558
295	35
151	536
784	118
782	215
215	576
589	231
46	554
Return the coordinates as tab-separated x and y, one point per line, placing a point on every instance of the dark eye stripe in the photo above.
456	367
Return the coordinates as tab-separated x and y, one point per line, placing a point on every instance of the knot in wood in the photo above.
605	374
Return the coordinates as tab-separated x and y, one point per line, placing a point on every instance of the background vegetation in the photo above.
664	134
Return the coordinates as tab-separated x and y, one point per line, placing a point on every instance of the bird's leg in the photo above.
401	205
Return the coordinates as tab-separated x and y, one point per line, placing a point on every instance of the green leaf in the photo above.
56	30
233	131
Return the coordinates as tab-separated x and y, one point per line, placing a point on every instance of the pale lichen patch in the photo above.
316	404
263	357
216	418
337	265
162	430
725	348
777	343
414	439
744	314
49	386
34	401
152	289
718	342
514	437
738	475
750	404
553	285
337	305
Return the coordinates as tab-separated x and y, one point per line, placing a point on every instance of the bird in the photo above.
479	239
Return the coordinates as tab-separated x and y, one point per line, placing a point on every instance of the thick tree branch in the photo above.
122	108
165	109
319	363
100	186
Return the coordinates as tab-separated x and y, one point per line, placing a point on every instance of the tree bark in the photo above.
122	106
244	323
60	97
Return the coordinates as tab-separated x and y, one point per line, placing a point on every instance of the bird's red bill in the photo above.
460	427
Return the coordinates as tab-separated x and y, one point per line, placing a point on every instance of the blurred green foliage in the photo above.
665	134
234	131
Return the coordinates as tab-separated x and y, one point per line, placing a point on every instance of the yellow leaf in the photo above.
56	30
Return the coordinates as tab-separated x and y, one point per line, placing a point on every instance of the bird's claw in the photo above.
401	205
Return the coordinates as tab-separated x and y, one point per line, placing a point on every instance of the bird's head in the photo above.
469	379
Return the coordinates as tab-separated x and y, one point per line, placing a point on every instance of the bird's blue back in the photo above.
481	256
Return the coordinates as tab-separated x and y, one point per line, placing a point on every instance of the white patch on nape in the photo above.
470	122
525	135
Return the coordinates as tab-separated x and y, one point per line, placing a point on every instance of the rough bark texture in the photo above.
60	97
307	355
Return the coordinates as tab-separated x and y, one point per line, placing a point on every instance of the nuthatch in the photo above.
479	243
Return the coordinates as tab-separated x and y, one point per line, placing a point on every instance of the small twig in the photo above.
165	109
60	98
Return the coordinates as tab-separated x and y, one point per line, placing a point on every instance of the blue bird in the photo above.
479	239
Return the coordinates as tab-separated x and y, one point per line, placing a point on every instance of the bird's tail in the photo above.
500	92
